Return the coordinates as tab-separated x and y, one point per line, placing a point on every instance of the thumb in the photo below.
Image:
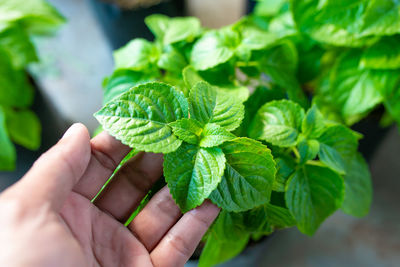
55	173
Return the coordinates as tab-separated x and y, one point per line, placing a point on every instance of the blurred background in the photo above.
69	75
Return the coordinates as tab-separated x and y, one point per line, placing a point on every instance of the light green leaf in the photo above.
384	54
138	55
248	177
140	117
358	187
209	106
37	16
224	241
158	24
214	48
214	135
337	144
313	193
16	43
24	128
182	29
313	123
268	7
308	150
187	130
278	122
171	60
7	151
192	173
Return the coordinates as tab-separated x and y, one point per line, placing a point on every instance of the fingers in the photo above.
107	152
159	215
180	242
130	184
54	174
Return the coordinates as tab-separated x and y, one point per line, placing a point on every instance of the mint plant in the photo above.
19	20
237	124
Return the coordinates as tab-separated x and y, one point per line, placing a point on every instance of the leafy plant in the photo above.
230	110
19	20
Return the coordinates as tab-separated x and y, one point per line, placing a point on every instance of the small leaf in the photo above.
308	150
384	54
158	24
313	193
192	173
313	123
214	135
285	166
7	151
278	122
187	130
337	145
358	187
140	117
171	60
279	217
248	177
182	29
138	55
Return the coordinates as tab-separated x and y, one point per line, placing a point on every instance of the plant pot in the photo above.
53	127
122	25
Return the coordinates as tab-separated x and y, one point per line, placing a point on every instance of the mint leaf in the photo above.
192	173
308	150
285	167
7	151
313	123
171	60
214	48
358	187
248	177
224	241
209	106
15	41
278	122
337	144
140	117
187	130
158	24
214	135
384	54
24	128
313	193
138	55
279	217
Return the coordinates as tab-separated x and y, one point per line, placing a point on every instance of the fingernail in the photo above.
71	131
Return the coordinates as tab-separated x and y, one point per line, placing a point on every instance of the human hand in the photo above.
47	218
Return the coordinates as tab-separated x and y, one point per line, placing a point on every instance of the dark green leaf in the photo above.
384	54
7	151
313	123
313	193
308	150
285	167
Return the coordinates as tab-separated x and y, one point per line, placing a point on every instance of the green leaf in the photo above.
313	193
269	8
140	117
138	55
15	90
337	144
278	122
192	173
224	241
7	151
121	81
384	54
248	177
15	41
214	135
24	128
308	150
214	48
279	217
313	123
173	30
37	16
187	130
391	93
358	187
209	106
285	167
171	60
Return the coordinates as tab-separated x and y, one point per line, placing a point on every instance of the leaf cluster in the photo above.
228	110
19	21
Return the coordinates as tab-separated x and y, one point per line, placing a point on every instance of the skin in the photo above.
47	218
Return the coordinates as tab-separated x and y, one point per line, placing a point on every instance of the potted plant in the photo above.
19	20
255	116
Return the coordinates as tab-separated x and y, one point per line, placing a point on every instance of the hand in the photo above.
47	218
